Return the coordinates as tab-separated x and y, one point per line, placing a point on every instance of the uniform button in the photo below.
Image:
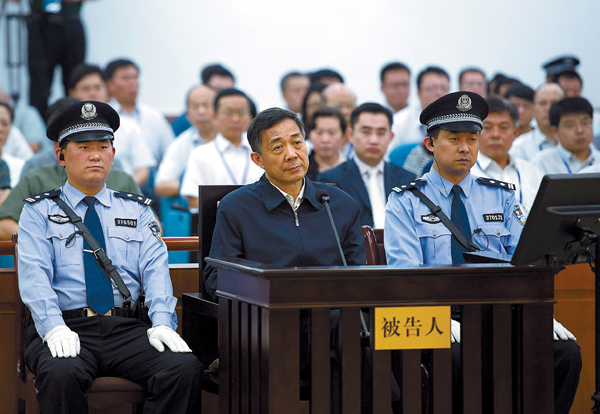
434	233
60	235
497	234
127	237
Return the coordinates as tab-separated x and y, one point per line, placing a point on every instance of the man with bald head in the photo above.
526	146
201	113
341	97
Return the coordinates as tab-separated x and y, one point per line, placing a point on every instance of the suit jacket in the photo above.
347	177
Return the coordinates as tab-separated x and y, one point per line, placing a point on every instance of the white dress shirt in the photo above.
156	131
131	150
219	162
364	173
527	145
523	174
558	160
406	128
16	145
15	165
175	160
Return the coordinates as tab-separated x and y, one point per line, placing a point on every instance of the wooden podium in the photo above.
507	349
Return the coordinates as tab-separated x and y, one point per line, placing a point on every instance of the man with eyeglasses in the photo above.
226	159
432	83
395	85
571	121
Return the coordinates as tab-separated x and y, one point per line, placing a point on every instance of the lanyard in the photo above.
518	178
226	165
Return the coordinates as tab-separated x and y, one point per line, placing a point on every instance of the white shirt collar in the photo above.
224	144
364	168
293	203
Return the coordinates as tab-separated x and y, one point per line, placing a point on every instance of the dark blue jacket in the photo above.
347	177
257	223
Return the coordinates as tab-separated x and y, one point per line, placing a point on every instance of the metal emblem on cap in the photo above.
88	111
464	103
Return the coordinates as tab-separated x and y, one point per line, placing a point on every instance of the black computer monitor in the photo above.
565	213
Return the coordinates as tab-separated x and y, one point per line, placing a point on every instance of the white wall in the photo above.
261	40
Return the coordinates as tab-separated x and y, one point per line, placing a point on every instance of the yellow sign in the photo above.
414	327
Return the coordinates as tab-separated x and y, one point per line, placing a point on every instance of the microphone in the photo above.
323	197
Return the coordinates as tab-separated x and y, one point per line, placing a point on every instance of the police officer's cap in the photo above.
457	111
560	65
84	121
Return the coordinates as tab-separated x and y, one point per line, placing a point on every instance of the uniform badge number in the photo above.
153	226
518	213
464	103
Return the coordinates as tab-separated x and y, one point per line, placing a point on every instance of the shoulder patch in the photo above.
496	183
41	196
135	197
412	184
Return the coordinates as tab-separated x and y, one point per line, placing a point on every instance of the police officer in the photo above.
483	215
82	325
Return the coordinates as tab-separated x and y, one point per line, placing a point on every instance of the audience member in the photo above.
366	177
326	77
472	80
339	96
15	164
522	97
293	89
526	146
86	83
327	138
201	112
395	85
310	104
432	83
559	65
493	161
123	84
226	159
571	121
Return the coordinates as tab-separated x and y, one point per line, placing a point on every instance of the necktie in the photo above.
376	198
461	221
98	286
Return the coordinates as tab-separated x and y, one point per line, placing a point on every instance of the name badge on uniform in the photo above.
493	217
57	218
124	222
431	218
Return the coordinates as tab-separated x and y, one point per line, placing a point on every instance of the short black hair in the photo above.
329	113
81	71
470	69
371	108
520	90
503	80
428	70
11	112
570	74
315	77
112	67
567	106
393	66
216	69
232	92
286	78
315	87
267	119
501	106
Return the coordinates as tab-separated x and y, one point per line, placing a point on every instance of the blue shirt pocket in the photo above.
492	237
124	246
65	255
435	242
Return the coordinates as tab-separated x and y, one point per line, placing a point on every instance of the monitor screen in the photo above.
553	234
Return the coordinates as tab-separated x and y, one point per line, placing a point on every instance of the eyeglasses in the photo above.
228	113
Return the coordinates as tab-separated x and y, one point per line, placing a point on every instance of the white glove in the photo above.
63	342
561	332
455	330
161	334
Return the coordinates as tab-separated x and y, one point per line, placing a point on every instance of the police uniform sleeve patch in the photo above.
135	197
41	196
412	184
496	183
153	226
518	213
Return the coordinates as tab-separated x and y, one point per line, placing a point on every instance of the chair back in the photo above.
208	201
374	245
20	312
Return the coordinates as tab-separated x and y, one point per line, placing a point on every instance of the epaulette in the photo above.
135	197
412	184
496	183
41	196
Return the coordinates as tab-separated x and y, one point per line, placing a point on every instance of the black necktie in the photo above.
461	221
98	287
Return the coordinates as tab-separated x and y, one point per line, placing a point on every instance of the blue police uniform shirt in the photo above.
415	236
257	223
51	272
